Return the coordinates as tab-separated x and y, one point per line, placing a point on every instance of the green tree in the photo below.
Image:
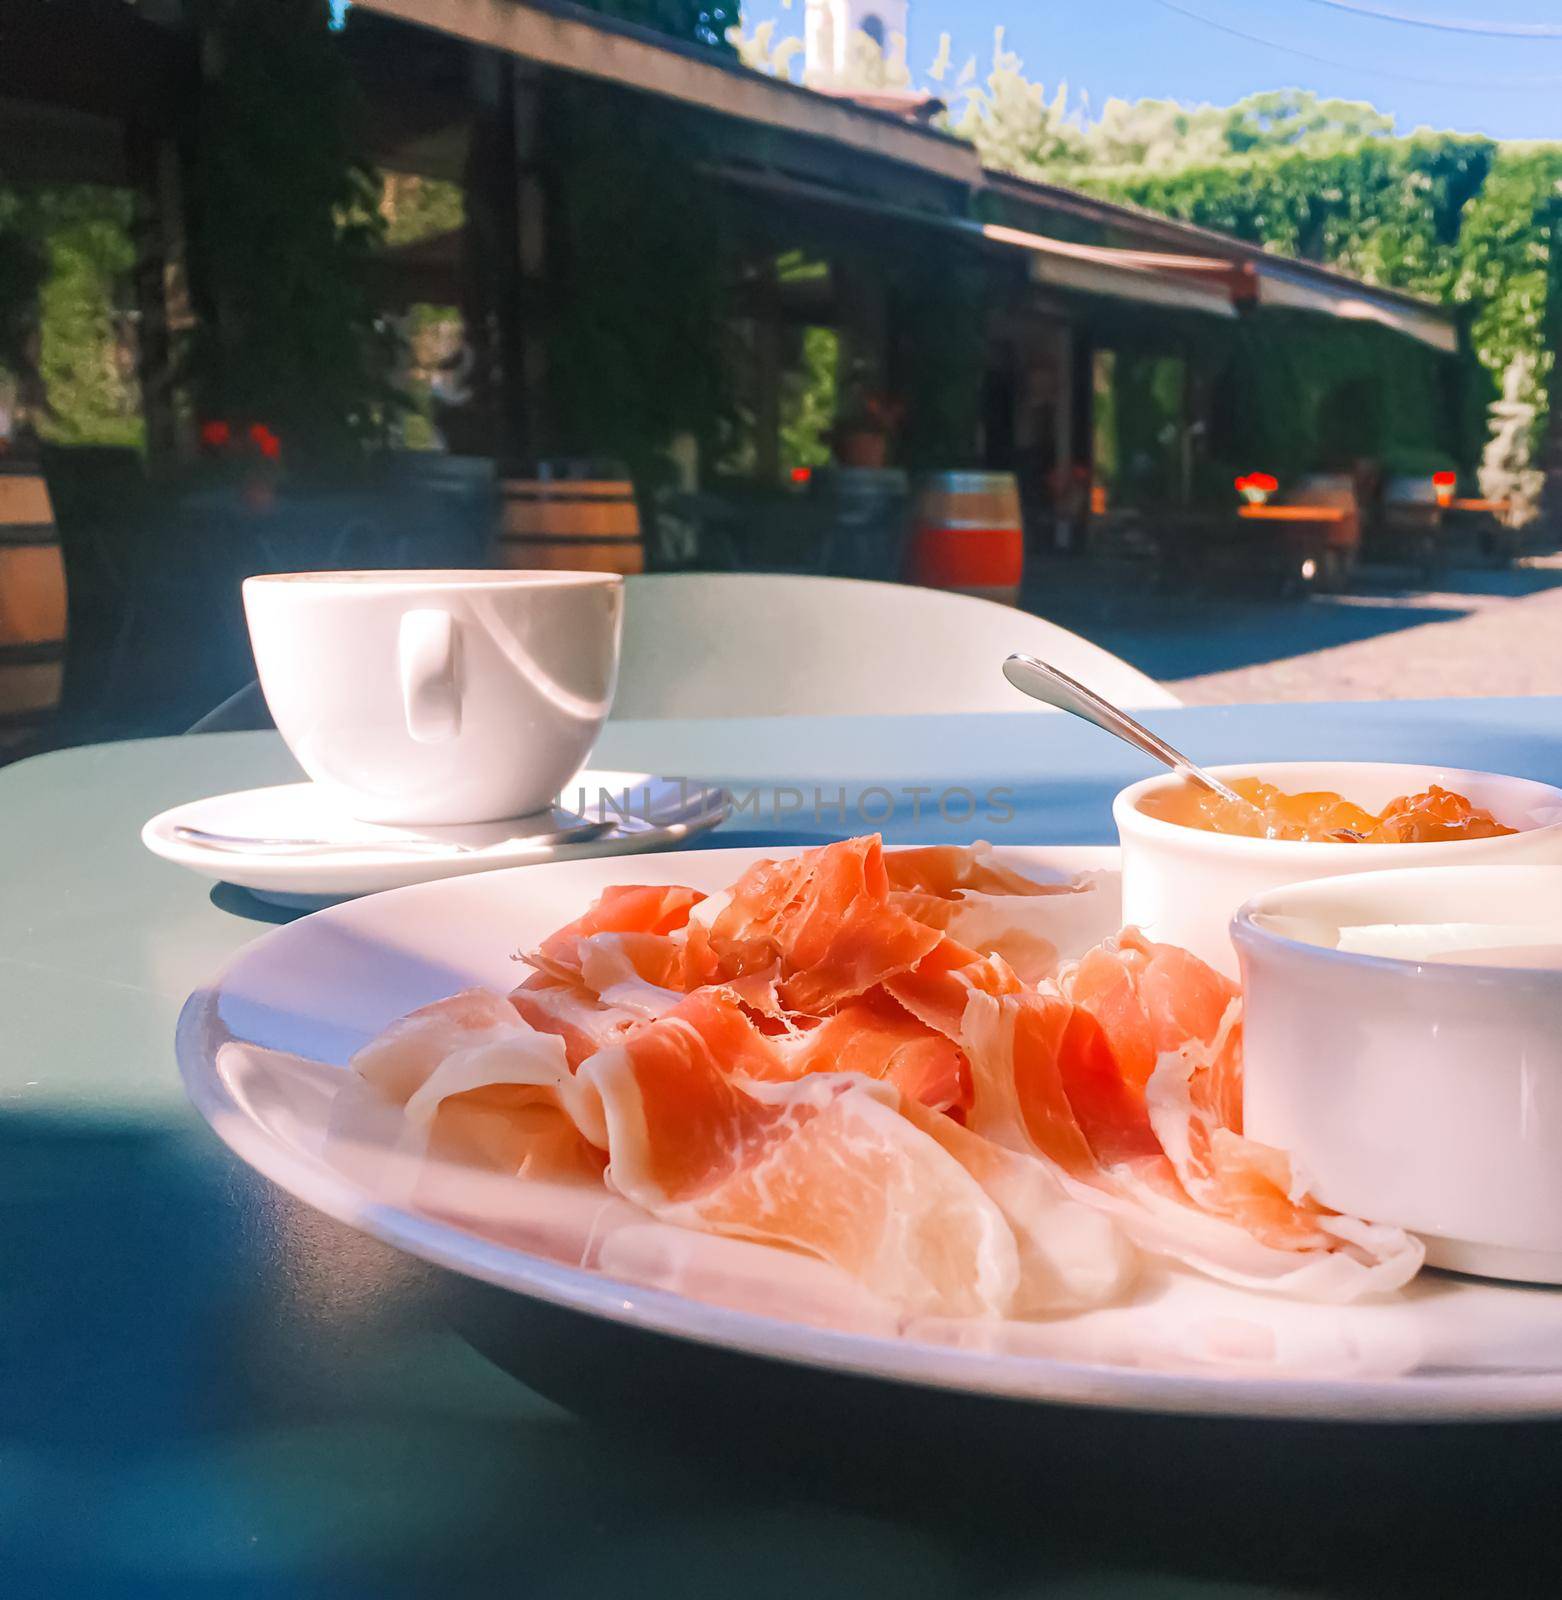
89	350
808	401
24	269
1507	268
761	51
68	349
1296	119
1140	135
287	226
634	350
416	208
1012	122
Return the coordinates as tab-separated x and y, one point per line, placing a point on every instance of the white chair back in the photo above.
771	645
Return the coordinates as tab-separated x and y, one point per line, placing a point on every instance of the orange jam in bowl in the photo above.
1435	816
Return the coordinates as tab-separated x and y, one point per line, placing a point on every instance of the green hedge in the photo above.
640	269
1456	219
285	234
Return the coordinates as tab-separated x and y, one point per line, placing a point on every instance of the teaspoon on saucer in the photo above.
246	844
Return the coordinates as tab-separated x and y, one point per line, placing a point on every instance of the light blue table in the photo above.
206	1389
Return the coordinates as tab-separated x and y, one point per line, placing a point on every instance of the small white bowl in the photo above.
1422	1093
1182	885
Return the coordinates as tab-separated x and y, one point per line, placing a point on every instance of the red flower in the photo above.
216	433
802	474
1262	480
1445	480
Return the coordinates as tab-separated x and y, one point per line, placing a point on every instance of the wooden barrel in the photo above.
969	535
32	605
589	525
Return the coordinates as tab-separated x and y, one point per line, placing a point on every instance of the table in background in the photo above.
206	1388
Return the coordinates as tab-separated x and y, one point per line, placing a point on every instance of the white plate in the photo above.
1446	1349
648	813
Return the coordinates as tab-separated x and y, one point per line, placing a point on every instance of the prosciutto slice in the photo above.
876	1059
1128	1093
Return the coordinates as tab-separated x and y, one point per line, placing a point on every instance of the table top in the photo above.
1267	513
206	1388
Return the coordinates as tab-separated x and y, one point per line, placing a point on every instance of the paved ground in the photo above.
1484	632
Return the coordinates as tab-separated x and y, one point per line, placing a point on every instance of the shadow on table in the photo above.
1368	1510
208	1388
239	902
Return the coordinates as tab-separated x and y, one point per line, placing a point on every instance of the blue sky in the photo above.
1509	87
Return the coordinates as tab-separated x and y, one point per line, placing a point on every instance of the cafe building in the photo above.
752	303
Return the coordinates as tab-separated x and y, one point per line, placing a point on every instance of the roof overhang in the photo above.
572	39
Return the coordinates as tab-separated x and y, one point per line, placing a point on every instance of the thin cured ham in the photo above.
1018	1098
411	1049
1071	1255
874	1059
844	1167
582	1019
1194	1098
655	911
825	1163
1131	1002
876	1037
479	1085
1154	1067
1149	998
994	910
822	922
938	988
638	972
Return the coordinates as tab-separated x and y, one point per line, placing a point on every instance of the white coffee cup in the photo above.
438	697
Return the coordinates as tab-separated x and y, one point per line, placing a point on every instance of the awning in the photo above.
1187	283
1275	286
1212	285
1216	286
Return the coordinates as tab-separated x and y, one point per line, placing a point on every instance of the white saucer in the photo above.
643	813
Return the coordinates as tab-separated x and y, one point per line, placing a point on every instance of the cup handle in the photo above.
426	655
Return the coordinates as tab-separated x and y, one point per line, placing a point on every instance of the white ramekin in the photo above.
1183	885
1420	1093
